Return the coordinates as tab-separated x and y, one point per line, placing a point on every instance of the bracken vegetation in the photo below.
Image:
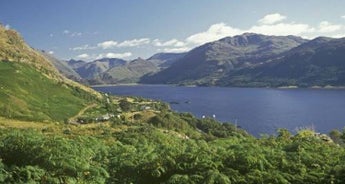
140	152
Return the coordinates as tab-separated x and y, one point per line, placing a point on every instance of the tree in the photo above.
125	105
336	136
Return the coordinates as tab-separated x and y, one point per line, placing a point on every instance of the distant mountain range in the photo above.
113	70
130	72
247	60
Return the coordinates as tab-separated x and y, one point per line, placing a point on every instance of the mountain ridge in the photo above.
210	61
318	62
114	70
247	60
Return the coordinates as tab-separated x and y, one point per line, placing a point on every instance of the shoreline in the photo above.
192	86
109	85
130	84
312	87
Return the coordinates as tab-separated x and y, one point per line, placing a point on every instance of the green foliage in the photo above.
170	121
336	136
214	128
3	174
145	154
32	157
186	123
125	105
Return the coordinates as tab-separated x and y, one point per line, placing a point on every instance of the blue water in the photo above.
257	110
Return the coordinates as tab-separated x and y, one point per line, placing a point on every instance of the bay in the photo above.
257	110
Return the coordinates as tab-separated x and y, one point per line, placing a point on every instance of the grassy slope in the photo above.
29	95
31	88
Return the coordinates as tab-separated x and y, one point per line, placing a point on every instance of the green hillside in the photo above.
27	94
31	88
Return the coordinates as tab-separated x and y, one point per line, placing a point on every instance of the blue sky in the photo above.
89	29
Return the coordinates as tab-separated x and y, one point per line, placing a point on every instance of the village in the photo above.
123	109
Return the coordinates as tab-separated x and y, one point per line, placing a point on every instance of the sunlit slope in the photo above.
31	88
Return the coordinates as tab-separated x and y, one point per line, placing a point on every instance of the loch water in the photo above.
257	110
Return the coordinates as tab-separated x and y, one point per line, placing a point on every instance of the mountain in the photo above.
31	88
319	62
214	60
92	70
245	60
129	73
113	70
74	64
165	60
62	66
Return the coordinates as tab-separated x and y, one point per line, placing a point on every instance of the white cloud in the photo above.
83	56
127	43
177	50
66	31
215	32
327	27
114	55
51	35
83	47
339	35
7	27
74	34
269	25
51	52
170	43
343	17
272	18
71	34
107	44
283	29
134	42
272	24
91	57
